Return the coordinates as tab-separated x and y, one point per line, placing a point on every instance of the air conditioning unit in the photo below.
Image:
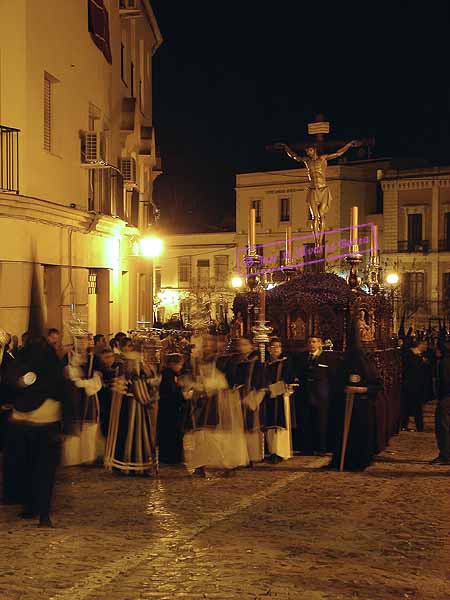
127	167
92	147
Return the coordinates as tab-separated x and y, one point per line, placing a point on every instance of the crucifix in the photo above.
318	195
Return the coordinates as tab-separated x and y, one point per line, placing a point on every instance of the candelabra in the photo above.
373	274
261	333
353	260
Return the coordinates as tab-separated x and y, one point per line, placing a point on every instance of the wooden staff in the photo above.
350	392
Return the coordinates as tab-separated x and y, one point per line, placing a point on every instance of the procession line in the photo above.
106	574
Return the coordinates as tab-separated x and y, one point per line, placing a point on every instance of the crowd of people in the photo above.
206	401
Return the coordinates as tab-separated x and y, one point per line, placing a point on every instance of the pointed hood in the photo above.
356	360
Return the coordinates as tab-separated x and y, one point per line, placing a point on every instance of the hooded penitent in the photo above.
355	356
36	375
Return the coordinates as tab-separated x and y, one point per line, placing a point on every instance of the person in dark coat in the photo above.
275	407
171	412
42	412
415	384
442	415
357	372
316	372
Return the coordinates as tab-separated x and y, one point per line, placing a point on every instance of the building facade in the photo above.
196	270
280	201
77	162
417	241
194	265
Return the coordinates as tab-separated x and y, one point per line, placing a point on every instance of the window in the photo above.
203	273
447	230
285	209
446	290
414	229
157	279
122	61
282	258
221	269
414	288
48	107
257	205
141	76
132	80
92	282
100	191
259	250
184	271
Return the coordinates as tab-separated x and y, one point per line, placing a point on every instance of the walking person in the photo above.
275	408
316	372
42	412
171	412
442	415
415	381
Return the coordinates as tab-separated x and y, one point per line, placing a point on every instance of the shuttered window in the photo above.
184	271
47	113
203	273
221	269
414	287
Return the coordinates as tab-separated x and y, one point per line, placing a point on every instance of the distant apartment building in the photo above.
77	161
196	270
417	240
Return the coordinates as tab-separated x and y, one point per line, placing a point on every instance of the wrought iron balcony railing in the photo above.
414	246
9	160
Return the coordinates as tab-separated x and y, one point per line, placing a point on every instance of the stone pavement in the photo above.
290	531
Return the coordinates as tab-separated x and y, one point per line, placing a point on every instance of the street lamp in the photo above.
151	247
237	282
392	280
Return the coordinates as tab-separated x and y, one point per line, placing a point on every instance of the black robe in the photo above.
272	409
362	440
171	417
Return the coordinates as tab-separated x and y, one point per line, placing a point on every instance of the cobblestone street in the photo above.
288	531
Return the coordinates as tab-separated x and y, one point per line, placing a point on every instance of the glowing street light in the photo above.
392	279
151	246
237	282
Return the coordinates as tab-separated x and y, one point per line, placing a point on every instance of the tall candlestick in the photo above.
252	230
354	229
374	243
262	305
289	243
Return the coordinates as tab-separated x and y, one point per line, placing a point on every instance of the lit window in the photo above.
285	209
257	205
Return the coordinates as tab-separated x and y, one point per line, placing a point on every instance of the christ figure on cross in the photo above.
318	195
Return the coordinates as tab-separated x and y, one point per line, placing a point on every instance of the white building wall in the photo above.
47	224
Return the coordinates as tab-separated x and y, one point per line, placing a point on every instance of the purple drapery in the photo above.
98	24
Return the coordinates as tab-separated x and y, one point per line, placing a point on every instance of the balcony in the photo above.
444	245
414	246
9	160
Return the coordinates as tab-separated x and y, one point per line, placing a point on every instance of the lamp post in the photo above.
392	280
151	246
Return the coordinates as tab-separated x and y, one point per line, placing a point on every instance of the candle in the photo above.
374	243
252	230
354	229
289	243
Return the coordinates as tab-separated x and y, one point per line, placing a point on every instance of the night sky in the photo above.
232	77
